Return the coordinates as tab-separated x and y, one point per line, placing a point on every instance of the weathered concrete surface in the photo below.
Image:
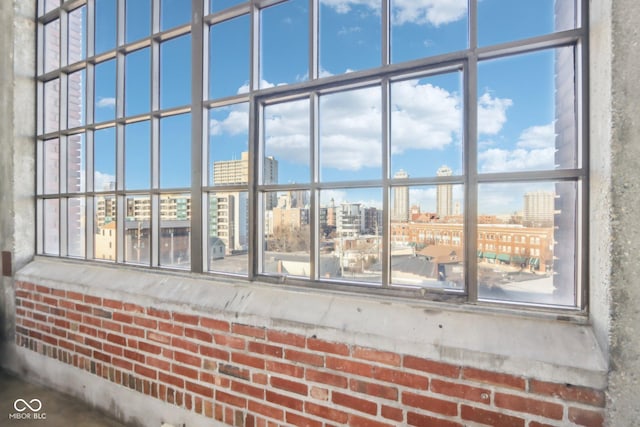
624	379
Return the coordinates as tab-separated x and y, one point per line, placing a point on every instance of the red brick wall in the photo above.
245	375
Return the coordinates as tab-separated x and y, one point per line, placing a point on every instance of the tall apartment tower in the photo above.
400	209
538	209
444	202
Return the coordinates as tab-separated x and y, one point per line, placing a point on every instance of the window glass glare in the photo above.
137	230
51	166
427	241
104	160
105	35
105	91
526	242
137	90
285	43
77	47
420	29
175	230
229	145
76	102
51	106
76	163
137	156
518	125
351	135
506	20
51	226
105	238
287	140
175	151
426	125
175	72
76	214
229	57
174	13
52	46
287	234
137	19
218	5
228	232
351	235
350	36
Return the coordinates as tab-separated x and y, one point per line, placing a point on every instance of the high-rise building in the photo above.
538	209
444	203
400	209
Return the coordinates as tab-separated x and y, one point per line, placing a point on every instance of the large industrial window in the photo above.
431	148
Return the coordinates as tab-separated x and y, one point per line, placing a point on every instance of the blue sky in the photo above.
515	95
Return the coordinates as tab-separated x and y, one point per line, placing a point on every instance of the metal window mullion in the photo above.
91	29
120	203
386	190
582	92
63	226
470	165
155	135
314	43
386	32
90	202
314	150
197	137
256	220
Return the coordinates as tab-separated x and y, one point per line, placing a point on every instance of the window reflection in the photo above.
350	235
51	226
175	230
229	145
51	106
287	139
228	232
105	238
175	72
76	89
229	57
104	163
105	91
526	242
350	135
285	39
76	208
52	46
175	151
137	156
76	163
51	166
77	47
426	125
137	90
137	230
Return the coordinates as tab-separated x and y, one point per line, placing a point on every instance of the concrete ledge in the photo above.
544	349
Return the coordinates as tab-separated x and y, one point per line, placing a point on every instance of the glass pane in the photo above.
175	230
218	5
51	166
506	20
105	25
285	40
175	151
287	234
228	232
527	126
52	46
77	35
76	102
427	243
51	106
104	160
105	239
350	233
351	135
51	228
287	140
420	29
229	57
137	230
76	211
174	13
137	19
426	125
527	242
229	145
49	5
137	156
350	36
137	82
175	72
105	91
76	163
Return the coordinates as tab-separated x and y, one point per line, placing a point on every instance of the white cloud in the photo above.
106	103
433	12
235	123
492	113
103	181
534	150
